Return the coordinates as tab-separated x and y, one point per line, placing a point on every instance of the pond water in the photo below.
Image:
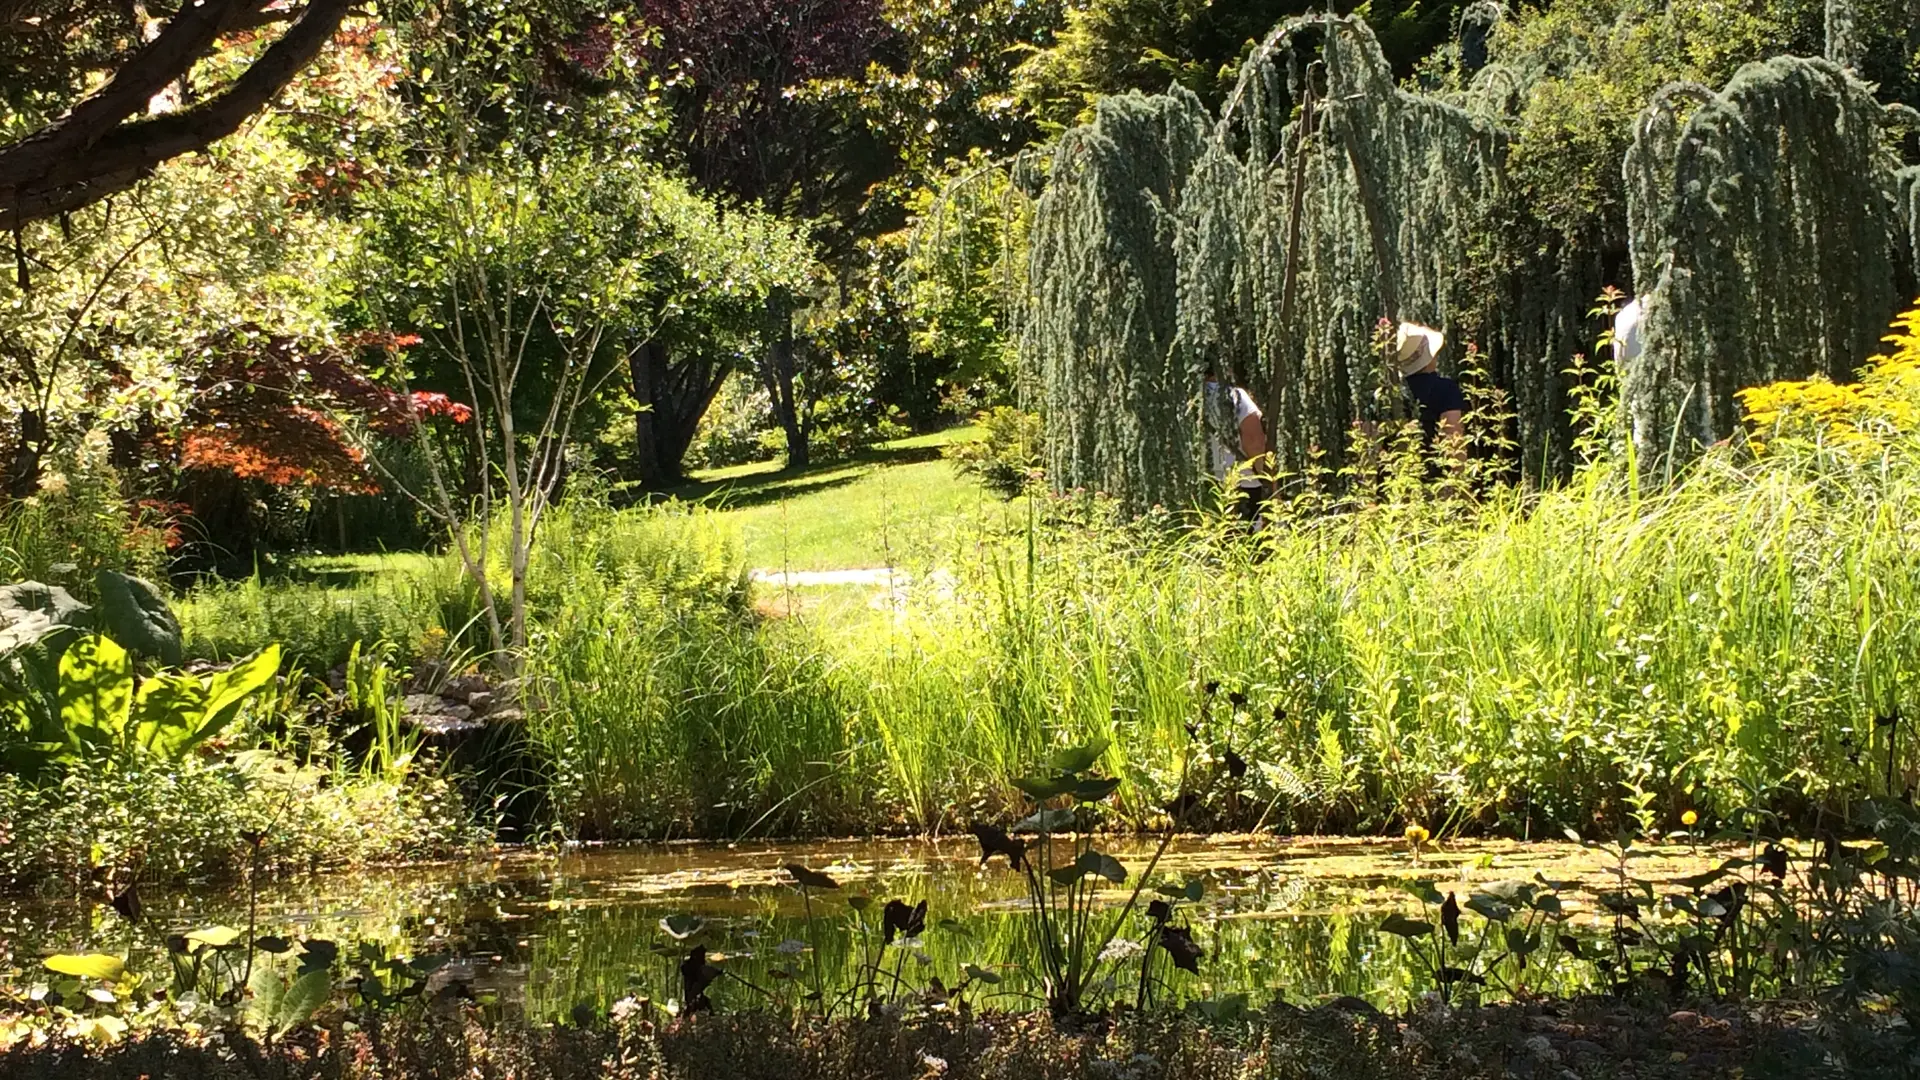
534	935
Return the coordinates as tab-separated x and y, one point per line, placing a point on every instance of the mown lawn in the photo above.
898	504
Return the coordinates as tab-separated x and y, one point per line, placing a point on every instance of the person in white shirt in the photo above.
1237	447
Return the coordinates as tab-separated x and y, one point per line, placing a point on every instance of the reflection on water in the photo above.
539	934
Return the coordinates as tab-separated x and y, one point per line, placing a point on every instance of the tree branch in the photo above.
91	153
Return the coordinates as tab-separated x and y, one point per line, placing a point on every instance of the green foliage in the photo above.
99	711
1120	401
134	614
1006	461
1763	236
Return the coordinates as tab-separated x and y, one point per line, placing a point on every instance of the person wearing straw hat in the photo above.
1441	403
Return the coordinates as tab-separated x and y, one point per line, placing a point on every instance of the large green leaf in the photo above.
1095	788
96	692
1098	862
89	966
135	614
1078	759
176	712
1044	788
27	599
301	1000
1404	927
1045	821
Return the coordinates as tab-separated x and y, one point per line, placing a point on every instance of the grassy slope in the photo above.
892	506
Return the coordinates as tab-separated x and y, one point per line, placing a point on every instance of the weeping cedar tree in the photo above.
1326	197
1772	230
1271	246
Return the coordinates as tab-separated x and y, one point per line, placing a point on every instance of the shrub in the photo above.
1006	461
184	820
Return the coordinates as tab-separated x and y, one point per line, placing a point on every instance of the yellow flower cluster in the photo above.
1863	417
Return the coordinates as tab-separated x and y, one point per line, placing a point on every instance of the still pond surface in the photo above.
535	935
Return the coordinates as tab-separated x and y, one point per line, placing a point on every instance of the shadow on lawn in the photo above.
759	489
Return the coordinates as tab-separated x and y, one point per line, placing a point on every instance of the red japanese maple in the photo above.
271	408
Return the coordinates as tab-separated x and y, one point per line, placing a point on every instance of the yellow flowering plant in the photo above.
1864	418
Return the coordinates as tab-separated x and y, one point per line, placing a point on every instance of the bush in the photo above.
736	429
79	522
184	821
1007	460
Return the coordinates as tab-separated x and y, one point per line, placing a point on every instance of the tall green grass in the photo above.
1589	656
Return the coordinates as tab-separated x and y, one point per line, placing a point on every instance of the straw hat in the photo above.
1415	346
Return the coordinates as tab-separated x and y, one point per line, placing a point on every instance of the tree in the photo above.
128	303
1765	243
103	145
1113	46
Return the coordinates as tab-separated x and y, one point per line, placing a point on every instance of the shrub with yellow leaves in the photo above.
1864	418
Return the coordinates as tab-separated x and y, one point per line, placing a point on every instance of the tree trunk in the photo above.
23	472
647	466
673	397
778	373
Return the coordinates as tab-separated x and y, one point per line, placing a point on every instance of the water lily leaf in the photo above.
954	926
427	965
681	927
1095	788
695	976
1453	975
1179	944
272	944
1078	759
1045	821
1570	944
809	878
860	903
1490	907
1516	893
1401	926
1548	903
1450	918
317	954
1067	875
995	841
213	937
86	966
903	921
1044	789
1425	891
1236	765
1191	891
1096	862
1521	943
981	975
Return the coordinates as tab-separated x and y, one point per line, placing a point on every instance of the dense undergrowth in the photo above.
1581	1039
